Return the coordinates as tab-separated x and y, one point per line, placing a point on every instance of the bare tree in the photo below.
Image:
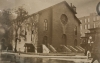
22	15
34	30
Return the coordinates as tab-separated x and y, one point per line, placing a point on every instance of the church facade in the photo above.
55	26
58	25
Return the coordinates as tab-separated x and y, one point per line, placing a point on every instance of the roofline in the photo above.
94	28
58	4
69	7
55	5
84	17
88	15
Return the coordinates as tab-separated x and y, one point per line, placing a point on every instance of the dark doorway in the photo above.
64	39
45	40
29	47
75	42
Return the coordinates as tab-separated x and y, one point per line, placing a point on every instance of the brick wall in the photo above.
45	14
57	30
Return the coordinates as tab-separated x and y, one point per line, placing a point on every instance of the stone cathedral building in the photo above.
53	29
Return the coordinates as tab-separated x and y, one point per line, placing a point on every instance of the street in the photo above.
25	58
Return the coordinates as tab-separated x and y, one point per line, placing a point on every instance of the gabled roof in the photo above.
63	2
68	6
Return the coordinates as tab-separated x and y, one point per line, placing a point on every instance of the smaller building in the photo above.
88	22
29	47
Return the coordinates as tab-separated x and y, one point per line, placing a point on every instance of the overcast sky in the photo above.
84	7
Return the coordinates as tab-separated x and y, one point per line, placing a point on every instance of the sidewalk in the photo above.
49	55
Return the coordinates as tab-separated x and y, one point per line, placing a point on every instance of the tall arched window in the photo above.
45	24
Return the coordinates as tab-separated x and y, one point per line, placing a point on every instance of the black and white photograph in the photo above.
49	31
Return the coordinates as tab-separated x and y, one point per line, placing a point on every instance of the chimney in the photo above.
70	4
74	8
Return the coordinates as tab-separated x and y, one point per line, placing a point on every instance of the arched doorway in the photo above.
45	40
75	42
64	39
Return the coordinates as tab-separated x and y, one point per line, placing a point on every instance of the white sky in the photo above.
84	7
